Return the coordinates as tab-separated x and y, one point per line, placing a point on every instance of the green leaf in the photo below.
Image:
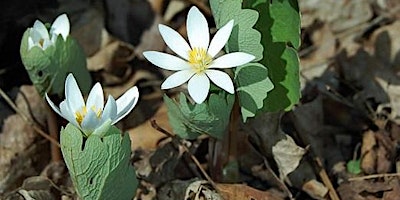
354	166
100	167
253	87
252	79
48	69
190	121
279	24
244	37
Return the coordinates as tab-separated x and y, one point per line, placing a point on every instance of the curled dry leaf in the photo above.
287	155
368	155
199	190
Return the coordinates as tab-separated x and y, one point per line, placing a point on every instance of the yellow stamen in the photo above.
80	115
97	111
41	42
199	59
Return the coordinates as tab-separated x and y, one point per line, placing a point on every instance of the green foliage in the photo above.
253	87
251	80
190	121
99	168
244	37
354	166
279	24
48	68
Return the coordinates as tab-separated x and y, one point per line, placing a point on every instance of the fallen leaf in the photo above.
362	190
368	155
315	189
145	136
244	192
200	190
287	155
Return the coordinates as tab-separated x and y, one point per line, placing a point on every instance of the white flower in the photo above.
41	37
197	63
92	115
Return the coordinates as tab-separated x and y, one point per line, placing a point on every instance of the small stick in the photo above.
373	176
27	119
325	179
194	159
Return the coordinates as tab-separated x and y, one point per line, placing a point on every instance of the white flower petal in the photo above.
221	79
73	95
126	103
175	41
52	105
232	60
46	43
166	61
90	122
60	26
110	110
198	87
102	130
30	43
41	30
67	113
197	29
220	39
95	98
177	78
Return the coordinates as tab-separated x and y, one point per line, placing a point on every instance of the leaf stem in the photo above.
178	142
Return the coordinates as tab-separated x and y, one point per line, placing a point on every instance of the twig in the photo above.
373	176
194	159
27	119
282	185
325	179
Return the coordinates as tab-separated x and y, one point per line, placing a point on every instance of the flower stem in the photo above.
53	132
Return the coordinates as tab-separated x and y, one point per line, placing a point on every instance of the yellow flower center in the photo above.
199	59
41	42
80	114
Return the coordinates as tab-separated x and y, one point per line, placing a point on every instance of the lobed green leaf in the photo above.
279	24
100	168
190	121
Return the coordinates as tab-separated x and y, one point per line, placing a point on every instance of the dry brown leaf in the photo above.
89	30
19	150
383	162
110	56
341	14
287	156
362	190
201	190
145	136
244	192
393	194
151	39
393	91
385	44
174	7
368	154
315	189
